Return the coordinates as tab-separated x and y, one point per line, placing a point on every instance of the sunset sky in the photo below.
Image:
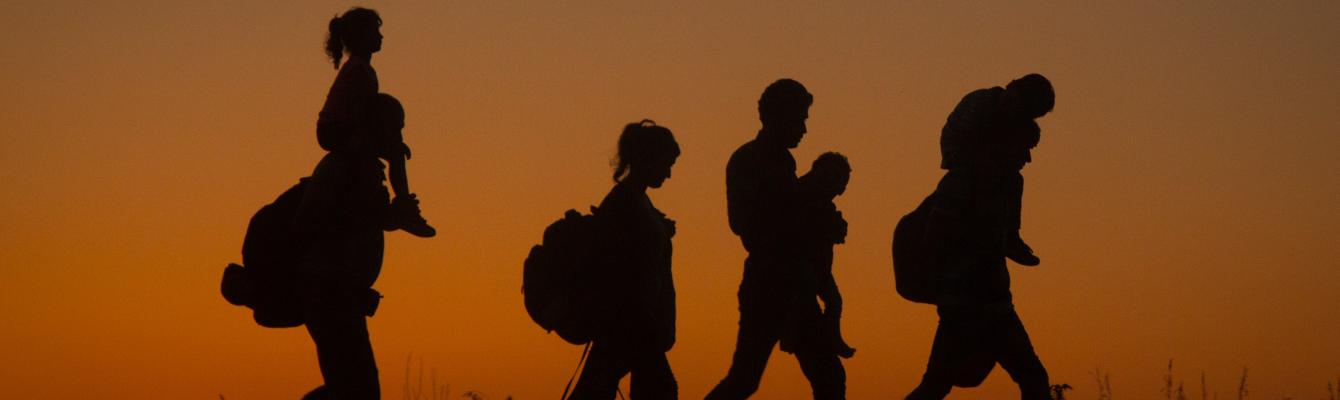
1185	198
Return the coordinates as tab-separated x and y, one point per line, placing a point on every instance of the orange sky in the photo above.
1183	199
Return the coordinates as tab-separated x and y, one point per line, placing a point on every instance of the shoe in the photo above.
843	350
1020	253
409	218
835	340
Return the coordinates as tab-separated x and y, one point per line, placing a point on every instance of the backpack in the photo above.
267	280
556	278
914	272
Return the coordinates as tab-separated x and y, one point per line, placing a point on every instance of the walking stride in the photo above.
968	227
762	193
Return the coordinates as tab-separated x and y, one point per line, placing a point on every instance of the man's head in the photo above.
390	115
783	109
1029	97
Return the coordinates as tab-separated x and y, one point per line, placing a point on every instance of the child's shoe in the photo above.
405	211
842	349
835	341
1021	253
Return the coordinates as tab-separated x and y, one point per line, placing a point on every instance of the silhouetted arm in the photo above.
761	190
742	193
396	152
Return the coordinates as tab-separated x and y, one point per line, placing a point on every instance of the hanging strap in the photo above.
580	361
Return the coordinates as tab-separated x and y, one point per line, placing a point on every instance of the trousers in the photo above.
970	341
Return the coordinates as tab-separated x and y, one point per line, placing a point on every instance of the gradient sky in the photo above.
1183	199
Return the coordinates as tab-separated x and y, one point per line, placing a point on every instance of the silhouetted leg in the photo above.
828	380
605	366
316	394
1015	353
945	352
344	353
652	379
759	330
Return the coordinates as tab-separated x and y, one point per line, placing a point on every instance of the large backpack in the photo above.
556	278
267	280
914	272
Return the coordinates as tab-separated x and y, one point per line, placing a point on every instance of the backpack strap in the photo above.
580	362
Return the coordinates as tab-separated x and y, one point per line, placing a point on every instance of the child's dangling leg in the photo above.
1019	252
405	213
1015	248
833	328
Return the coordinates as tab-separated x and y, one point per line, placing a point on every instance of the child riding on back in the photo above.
346	122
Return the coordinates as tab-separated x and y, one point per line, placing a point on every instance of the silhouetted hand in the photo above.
840	229
669	226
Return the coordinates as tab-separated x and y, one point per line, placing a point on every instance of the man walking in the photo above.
761	190
974	223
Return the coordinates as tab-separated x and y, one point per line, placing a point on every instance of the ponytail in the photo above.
334	46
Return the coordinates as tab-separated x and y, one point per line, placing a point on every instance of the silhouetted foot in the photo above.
408	217
845	351
1020	253
839	345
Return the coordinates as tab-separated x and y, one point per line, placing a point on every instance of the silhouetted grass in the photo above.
434	390
1174	388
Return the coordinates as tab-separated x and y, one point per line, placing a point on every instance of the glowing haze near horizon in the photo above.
1183	200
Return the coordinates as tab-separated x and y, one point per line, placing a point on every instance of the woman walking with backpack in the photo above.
634	282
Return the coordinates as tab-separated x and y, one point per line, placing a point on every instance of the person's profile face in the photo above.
377	39
368	40
839	182
790	128
658	170
374	38
833	182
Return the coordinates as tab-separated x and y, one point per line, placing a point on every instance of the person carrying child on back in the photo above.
822	227
974	225
345	122
345	209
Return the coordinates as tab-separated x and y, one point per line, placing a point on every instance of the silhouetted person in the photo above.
991	132
344	210
975	221
344	122
823	227
761	195
636	288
